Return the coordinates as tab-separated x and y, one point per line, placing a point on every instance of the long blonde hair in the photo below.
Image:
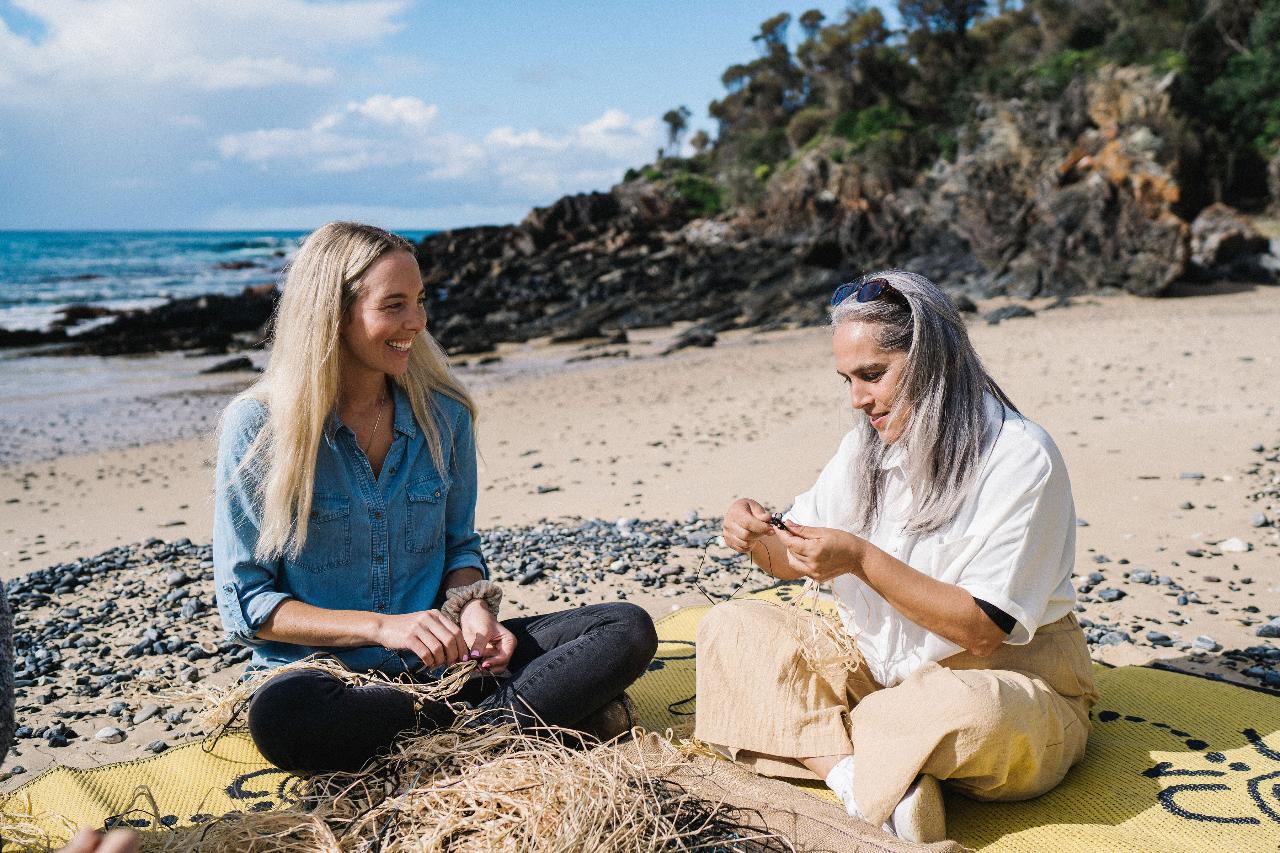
299	387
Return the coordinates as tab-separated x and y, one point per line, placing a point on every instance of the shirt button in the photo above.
377	514
392	471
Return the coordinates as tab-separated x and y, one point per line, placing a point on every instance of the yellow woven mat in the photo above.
1175	763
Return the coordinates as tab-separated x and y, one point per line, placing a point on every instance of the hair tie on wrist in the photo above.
460	596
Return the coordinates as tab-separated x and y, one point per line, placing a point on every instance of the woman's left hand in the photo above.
486	637
821	553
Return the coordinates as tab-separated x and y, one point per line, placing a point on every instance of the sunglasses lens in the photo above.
871	290
842	293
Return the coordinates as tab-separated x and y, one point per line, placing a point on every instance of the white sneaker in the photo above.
920	816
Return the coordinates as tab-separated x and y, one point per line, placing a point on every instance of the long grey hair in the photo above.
940	401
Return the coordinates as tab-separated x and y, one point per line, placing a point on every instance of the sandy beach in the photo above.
1165	410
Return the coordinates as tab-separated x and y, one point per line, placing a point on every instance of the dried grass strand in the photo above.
467	789
826	645
223	707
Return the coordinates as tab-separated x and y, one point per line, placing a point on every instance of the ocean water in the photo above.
41	271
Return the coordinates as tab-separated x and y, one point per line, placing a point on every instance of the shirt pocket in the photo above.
328	544
424	527
947	560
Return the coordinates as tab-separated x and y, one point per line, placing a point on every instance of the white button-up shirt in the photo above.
1012	543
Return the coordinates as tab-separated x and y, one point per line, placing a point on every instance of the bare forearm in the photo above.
307	625
945	609
460	577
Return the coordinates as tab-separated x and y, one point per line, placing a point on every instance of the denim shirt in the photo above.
379	544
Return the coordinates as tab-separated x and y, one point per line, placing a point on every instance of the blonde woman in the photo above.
945	527
344	525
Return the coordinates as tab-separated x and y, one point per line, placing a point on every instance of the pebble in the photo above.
1191	475
1110	594
1259	520
1186	505
1209	644
1159	638
1114	638
1140	576
176	579
110	734
1270	629
146	712
1234	546
157	746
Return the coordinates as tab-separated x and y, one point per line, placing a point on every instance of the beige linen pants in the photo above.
1006	727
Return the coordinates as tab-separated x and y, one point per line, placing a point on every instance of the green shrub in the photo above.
1056	72
881	123
806	124
762	171
702	195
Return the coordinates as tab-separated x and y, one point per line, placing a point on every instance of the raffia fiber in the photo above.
223	707
471	789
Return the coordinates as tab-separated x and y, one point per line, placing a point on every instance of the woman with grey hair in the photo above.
946	529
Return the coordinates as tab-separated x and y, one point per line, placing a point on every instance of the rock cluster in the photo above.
1078	195
212	323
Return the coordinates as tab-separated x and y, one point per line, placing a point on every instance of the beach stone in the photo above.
1186	505
191	675
1140	576
1159	638
1270	629
157	746
1114	638
1007	312
1110	594
177	579
1191	475
1259	520
1234	546
1080	522
146	712
1209	644
109	734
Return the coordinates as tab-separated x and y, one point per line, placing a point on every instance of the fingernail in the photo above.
473	655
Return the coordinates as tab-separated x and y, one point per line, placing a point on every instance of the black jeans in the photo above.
566	666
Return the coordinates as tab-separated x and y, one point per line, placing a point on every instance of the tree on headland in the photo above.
677	121
699	141
896	100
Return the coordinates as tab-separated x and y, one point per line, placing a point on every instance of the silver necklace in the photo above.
377	422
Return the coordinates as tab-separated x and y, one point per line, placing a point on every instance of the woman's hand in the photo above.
429	634
821	553
486	637
745	523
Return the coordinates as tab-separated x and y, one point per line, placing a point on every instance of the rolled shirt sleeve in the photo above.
1021	554
246	586
461	541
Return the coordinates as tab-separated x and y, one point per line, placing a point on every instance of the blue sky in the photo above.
284	114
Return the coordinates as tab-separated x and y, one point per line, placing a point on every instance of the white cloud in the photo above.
118	47
386	131
408	218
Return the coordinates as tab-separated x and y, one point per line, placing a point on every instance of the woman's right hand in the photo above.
429	634
745	523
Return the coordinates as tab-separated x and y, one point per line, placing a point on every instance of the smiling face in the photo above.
872	374
381	325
